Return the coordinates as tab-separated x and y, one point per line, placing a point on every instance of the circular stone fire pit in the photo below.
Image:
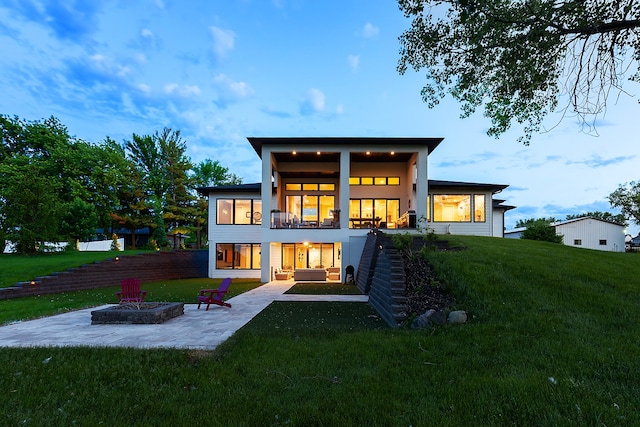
135	313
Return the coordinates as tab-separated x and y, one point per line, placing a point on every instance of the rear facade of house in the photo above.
320	197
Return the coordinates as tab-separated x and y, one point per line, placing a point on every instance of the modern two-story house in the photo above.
319	197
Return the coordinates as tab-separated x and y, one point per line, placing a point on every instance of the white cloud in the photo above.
223	41
185	91
370	30
144	88
230	91
146	33
354	62
313	103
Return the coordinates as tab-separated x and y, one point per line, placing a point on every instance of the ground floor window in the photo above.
309	255
245	256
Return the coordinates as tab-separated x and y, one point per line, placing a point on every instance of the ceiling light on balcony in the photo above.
294	153
393	153
368	153
318	153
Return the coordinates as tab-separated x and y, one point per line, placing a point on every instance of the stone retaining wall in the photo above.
148	267
381	274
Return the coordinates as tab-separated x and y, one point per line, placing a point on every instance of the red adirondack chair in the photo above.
131	291
215	296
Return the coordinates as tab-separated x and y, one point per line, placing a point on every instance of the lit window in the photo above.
452	207
393	180
366	180
380	180
239	211
354	180
478	208
244	256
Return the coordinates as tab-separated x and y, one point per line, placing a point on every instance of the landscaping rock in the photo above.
457	317
438	317
431	316
422	321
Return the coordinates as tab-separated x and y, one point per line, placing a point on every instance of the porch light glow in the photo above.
294	153
318	153
368	153
393	153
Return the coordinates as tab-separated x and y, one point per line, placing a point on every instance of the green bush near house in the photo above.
552	340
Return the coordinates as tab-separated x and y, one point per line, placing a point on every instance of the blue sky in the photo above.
220	71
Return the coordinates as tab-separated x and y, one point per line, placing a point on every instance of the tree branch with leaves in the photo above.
518	59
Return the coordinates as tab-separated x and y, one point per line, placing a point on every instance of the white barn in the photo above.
586	232
592	233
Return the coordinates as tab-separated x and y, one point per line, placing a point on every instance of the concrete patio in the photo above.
195	329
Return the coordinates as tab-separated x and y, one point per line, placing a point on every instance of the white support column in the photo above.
345	172
422	184
265	195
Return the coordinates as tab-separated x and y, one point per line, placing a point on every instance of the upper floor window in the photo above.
239	211
452	207
457	207
374	180
309	187
478	207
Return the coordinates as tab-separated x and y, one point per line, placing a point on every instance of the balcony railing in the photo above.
287	220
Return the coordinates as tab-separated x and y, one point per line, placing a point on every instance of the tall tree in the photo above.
627	198
519	58
210	173
31	206
179	204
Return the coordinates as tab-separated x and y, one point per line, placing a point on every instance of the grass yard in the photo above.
324	288
552	341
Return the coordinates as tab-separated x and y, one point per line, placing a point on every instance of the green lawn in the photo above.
552	341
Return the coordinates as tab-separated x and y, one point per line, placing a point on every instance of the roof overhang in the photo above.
309	144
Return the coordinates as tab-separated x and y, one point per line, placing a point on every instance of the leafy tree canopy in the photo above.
627	198
526	222
519	58
541	230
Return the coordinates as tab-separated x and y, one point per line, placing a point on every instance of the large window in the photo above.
452	207
381	211
457	207
246	256
308	255
310	209
239	211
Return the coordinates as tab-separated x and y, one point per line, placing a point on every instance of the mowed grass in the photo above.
553	340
